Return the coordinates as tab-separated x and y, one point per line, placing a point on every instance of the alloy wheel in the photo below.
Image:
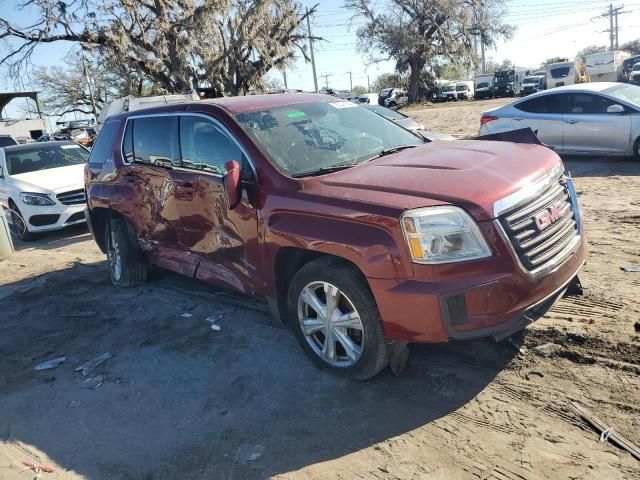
18	223
114	257
331	324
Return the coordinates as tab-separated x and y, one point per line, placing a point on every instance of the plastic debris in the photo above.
186	315
87	367
215	327
248	453
92	382
631	268
37	469
74	403
49	364
214	319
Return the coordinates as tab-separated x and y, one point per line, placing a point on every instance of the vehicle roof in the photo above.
36	145
583	87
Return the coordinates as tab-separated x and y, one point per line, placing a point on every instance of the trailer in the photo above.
606	66
564	73
483	84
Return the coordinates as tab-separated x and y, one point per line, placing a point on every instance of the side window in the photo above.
205	147
104	144
127	143
581	103
544	104
155	141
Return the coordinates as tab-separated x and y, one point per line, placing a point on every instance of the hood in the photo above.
472	174
409	123
54	180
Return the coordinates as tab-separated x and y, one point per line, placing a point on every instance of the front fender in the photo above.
378	252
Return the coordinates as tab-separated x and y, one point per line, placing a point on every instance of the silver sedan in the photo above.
586	119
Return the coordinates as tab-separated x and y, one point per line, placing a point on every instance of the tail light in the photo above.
487	118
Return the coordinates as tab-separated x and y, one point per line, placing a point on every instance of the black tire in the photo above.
20	228
374	355
636	150
392	104
132	269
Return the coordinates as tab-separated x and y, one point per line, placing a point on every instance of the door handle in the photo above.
571	122
518	119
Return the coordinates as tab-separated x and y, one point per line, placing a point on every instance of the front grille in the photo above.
73	197
536	246
42	220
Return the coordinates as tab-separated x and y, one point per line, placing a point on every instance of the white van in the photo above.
464	90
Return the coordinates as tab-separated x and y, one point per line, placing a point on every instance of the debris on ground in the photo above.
92	382
248	453
49	364
37	469
186	315
87	367
548	349
215	327
214	319
606	433
631	268
534	373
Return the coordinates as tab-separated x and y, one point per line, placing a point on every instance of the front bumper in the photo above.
51	217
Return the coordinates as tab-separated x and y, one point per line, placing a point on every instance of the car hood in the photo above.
472	174
54	180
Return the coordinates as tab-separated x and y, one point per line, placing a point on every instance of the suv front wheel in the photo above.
336	319
126	263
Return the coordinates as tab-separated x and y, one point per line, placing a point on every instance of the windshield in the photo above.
304	137
531	80
626	93
386	112
482	85
44	157
7	141
386	92
636	67
449	88
560	72
461	88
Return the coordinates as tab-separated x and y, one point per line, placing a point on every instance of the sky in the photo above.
544	28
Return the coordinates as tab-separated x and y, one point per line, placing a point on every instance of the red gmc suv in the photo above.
354	230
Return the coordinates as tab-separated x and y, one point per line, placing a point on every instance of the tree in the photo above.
581	56
418	33
633	47
359	90
551	60
178	45
386	80
451	71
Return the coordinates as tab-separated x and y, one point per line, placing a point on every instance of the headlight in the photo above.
443	235
39	199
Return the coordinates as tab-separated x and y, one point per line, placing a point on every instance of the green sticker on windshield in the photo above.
296	114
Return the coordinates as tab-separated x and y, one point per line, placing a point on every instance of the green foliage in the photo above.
359	90
633	47
581	56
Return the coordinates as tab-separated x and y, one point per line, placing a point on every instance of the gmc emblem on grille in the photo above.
547	217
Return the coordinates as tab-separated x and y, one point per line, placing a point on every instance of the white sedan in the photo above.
586	119
42	186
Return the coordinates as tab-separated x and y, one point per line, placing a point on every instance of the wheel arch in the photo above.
100	218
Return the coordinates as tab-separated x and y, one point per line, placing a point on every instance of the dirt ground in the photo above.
181	401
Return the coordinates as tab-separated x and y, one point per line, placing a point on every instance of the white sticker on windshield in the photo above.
343	105
66	147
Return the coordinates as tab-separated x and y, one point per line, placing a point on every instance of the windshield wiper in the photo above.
390	150
323	170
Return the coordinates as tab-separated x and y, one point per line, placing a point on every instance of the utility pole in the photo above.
616	29
350	83
368	85
613	25
86	76
326	79
313	60
284	77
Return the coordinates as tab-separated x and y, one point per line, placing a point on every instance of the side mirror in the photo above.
232	183
615	108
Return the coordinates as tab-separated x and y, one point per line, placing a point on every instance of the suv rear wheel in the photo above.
126	264
336	319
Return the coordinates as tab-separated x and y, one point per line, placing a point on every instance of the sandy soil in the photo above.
180	401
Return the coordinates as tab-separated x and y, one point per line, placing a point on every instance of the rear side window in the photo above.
581	103
205	147
103	147
544	104
153	141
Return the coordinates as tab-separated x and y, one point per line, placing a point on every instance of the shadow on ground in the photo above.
581	166
182	401
57	239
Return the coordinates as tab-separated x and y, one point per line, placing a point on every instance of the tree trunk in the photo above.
416	66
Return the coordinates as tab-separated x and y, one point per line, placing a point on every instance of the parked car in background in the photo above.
392	97
464	90
634	75
449	92
606	66
483	87
41	185
368	98
437	94
507	83
562	73
532	84
355	231
586	118
627	66
7	140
